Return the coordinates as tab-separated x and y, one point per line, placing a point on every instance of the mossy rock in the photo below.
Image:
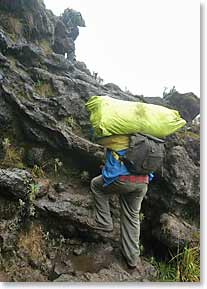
43	88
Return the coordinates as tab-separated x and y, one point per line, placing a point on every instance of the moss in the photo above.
12	62
13	37
18	87
20	165
44	44
193	135
72	124
11	156
20	92
32	241
16	25
187	134
44	88
69	121
8	208
11	148
11	24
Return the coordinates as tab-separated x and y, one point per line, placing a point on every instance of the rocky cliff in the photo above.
47	158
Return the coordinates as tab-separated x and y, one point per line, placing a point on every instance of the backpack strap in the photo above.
117	157
152	137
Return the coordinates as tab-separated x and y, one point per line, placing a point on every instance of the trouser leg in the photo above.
101	198
130	225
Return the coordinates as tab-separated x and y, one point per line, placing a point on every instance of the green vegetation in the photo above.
57	165
16	26
33	190
69	121
44	88
168	91
187	133
37	172
44	44
12	25
141	217
84	177
51	168
12	62
72	124
32	241
11	156
183	267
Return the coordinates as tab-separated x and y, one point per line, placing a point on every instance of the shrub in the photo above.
11	156
183	267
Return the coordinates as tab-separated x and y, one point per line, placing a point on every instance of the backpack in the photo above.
144	155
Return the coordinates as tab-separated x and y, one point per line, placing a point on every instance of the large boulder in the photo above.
176	233
172	203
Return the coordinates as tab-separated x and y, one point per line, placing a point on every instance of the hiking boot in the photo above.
96	226
139	263
138	266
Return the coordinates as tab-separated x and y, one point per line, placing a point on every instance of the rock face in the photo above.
15	183
188	104
66	32
29	20
42	112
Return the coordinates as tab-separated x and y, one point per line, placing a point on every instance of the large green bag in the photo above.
110	116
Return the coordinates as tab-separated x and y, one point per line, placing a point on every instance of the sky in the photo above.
141	45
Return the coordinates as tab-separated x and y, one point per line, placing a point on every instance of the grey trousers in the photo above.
130	197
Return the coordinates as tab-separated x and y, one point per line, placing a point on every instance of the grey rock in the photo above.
78	251
5	42
15	183
61	268
34	156
59	187
176	233
174	193
27	54
5	114
182	174
52	197
188	104
36	22
65	278
112	86
3	59
43	186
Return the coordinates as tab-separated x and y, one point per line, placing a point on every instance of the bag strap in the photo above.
117	157
151	137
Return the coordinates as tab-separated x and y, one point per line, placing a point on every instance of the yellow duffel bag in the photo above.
114	142
110	116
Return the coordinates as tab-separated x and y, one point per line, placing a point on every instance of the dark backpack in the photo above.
144	155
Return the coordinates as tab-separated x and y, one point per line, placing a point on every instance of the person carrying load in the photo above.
130	160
